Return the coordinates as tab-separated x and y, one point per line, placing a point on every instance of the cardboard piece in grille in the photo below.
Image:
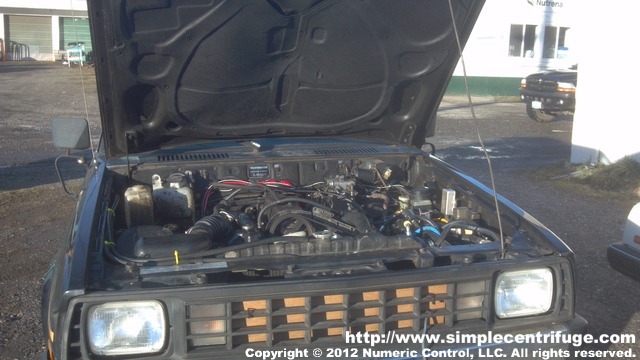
256	312
293	318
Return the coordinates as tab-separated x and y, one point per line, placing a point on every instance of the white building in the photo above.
606	126
41	30
515	38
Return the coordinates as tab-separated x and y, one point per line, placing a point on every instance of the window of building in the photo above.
555	42
522	39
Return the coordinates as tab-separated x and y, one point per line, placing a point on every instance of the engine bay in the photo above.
247	220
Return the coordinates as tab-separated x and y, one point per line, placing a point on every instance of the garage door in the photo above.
28	37
73	30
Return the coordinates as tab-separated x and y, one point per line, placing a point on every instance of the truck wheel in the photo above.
539	115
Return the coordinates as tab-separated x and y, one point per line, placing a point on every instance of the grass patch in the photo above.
621	178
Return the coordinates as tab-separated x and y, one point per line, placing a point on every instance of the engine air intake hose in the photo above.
217	227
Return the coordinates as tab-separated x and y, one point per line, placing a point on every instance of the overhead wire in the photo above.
82	81
477	127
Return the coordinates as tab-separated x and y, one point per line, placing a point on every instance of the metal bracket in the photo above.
80	159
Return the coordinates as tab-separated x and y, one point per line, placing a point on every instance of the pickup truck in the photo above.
550	93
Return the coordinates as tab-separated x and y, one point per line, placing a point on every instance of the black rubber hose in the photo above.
465	224
113	255
216	227
409	213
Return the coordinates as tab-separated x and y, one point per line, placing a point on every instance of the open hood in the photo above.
172	70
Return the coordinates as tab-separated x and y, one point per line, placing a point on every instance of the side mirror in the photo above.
70	133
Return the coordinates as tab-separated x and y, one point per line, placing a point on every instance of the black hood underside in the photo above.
241	69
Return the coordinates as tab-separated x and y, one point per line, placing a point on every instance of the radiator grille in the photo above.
225	321
307	319
542	85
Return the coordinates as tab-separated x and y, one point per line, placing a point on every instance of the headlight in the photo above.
566	87
128	327
523	293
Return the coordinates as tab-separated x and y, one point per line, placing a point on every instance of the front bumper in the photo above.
555	101
625	259
315	313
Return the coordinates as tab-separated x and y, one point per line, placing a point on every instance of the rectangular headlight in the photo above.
524	293
127	327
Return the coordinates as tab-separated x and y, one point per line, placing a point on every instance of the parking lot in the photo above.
35	213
